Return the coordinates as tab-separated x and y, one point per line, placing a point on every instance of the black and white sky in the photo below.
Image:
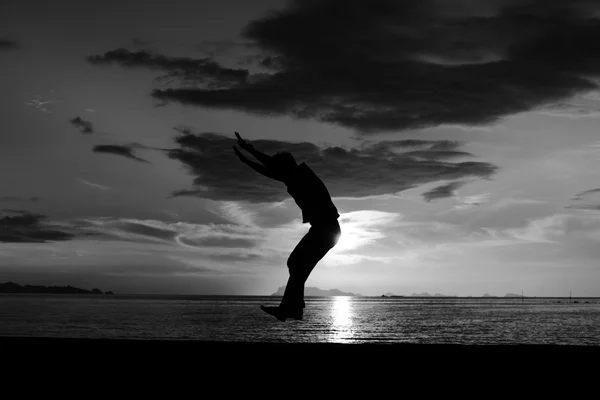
459	139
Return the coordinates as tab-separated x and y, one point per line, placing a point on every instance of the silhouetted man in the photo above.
311	195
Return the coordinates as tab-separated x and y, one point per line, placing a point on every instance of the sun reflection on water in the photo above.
342	319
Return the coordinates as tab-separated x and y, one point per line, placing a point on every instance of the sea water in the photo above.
337	319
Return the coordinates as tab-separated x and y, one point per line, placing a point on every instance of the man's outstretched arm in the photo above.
262	157
261	169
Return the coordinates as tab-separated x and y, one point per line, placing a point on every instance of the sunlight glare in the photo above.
341	313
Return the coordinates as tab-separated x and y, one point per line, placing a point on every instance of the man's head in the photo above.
283	164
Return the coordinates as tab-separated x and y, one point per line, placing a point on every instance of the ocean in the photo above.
326	319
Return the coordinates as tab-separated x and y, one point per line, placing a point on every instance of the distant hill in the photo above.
512	295
11	287
487	295
425	294
314	291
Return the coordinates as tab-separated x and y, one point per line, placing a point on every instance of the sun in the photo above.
349	240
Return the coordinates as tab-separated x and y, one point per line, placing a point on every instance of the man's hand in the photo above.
262	157
240	155
242	143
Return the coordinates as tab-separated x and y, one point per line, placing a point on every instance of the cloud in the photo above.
92	184
19	199
385	65
447	190
29	228
373	169
6	44
83	125
569	229
119	150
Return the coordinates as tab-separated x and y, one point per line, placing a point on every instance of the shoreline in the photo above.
271	296
26	344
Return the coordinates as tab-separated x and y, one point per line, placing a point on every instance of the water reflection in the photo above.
342	327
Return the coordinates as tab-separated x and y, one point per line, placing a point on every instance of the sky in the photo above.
458	139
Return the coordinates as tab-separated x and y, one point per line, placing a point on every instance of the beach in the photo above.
204	369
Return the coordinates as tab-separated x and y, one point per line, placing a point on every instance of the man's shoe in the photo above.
281	313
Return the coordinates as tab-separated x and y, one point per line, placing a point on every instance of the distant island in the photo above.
314	291
11	287
425	294
512	295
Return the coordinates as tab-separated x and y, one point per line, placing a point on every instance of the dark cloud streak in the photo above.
8	45
443	191
119	150
580	195
19	199
29	228
83	125
188	70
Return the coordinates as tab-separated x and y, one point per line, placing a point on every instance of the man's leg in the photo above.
305	256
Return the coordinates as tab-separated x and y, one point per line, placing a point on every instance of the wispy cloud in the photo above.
92	184
511	201
41	105
183	234
576	231
545	230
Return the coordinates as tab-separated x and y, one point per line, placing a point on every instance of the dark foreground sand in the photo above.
420	368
